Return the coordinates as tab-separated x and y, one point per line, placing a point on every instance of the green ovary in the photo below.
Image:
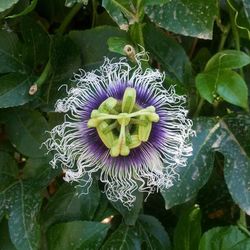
121	124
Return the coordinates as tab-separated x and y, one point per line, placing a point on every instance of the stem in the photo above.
225	32
234	30
48	69
68	19
93	13
242	219
45	74
200	104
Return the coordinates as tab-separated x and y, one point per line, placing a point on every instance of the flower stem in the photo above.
200	104
48	69
242	224
234	29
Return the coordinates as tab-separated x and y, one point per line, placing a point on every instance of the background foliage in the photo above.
203	46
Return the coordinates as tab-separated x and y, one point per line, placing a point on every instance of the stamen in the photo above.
126	121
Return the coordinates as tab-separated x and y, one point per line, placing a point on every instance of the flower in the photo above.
122	124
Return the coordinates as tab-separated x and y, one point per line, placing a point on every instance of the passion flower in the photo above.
123	125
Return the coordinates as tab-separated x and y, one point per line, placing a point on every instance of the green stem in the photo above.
224	35
200	104
45	74
242	223
234	30
48	69
68	19
93	13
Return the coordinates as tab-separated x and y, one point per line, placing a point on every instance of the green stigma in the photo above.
121	124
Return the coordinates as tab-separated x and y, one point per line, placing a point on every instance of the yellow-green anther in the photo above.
93	123
144	131
124	150
108	105
107	138
150	109
153	117
95	113
128	100
134	141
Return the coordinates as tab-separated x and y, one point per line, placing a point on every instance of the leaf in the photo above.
93	44
67	204
225	83
224	238
26	11
189	227
117	44
168	53
77	235
11	58
5	241
236	167
64	57
26	130
152	233
155	2
22	205
124	238
130	215
205	84
14	90
70	3
40	172
120	11
36	44
199	167
232	88
6	4
188	18
8	170
227	59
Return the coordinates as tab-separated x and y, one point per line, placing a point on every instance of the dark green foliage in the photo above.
202	46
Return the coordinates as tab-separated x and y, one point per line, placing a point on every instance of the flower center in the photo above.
121	124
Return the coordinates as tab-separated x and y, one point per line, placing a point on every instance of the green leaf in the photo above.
124	238
130	215
224	238
22	205
152	233
227	59
120	11
8	170
199	167
14	90
189	227
155	2
236	167
36	44
93	44
225	83
69	203
6	4
40	172
232	88
26	130
5	241
205	84
64	57
26	11
11	58
70	3
77	235
213	136
189	18
168	53
117	44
